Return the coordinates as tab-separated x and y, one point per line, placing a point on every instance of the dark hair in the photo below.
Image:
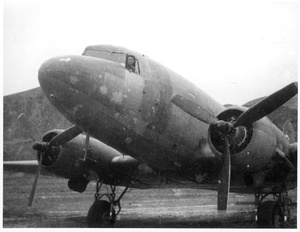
131	56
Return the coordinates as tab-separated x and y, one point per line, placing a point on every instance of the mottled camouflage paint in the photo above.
133	113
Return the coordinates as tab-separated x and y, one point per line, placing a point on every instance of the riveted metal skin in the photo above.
133	113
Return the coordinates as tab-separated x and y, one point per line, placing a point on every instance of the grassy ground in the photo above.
57	206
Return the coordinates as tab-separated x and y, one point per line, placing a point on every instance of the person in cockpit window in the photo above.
130	64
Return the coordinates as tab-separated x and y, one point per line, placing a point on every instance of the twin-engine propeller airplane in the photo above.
138	124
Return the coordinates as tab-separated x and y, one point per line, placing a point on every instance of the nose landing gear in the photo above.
102	213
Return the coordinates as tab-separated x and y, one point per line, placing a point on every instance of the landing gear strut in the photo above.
272	214
102	213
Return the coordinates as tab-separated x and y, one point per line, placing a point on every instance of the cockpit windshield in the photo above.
117	57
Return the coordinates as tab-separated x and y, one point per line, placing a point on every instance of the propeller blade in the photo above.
194	109
65	136
32	193
224	179
30	129
267	105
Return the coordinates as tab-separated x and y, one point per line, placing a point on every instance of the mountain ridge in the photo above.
38	109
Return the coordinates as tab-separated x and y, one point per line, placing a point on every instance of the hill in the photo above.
17	145
35	105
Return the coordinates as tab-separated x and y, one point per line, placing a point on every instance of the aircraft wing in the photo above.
28	166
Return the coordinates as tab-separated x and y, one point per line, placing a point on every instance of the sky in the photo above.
235	51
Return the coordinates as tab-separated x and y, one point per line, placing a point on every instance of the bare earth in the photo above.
57	206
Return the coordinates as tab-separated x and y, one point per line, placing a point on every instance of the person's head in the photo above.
130	60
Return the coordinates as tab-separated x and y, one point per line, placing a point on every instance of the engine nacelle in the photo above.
254	146
63	160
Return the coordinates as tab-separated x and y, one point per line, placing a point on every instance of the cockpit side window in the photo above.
126	60
132	64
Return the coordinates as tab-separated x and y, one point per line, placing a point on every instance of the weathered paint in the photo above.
138	105
133	113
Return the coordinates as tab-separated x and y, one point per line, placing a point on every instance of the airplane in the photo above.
137	124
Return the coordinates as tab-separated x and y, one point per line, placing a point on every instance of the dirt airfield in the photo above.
55	206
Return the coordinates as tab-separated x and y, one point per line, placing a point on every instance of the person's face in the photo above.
130	60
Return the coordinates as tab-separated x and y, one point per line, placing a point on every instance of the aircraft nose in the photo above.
79	72
66	80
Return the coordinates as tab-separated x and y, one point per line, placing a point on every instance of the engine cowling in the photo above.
253	147
63	160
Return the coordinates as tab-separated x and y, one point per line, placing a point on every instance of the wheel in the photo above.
270	215
98	215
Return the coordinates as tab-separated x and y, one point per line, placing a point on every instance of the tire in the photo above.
98	215
270	215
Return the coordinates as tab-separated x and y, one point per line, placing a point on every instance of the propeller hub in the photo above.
40	146
238	137
225	128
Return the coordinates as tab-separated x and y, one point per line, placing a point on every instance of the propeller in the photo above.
30	129
33	188
267	105
194	109
33	133
228	129
224	178
42	147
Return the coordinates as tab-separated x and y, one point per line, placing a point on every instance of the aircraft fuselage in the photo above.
130	107
129	111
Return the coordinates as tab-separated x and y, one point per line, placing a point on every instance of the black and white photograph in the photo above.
150	114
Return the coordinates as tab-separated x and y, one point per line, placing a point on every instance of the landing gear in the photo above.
272	214
102	213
